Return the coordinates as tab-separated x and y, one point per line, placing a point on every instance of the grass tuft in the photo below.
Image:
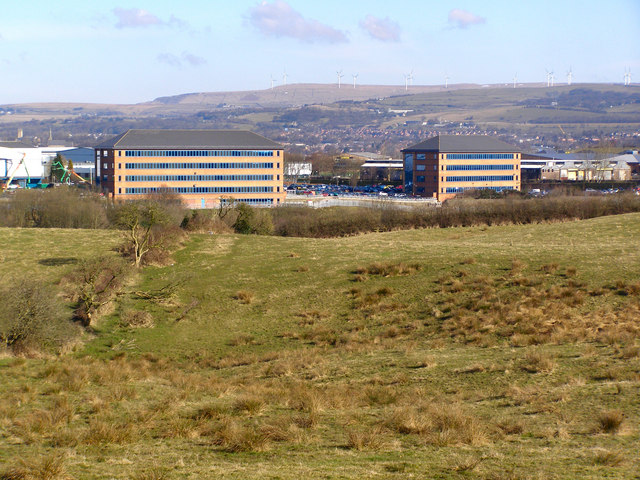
610	421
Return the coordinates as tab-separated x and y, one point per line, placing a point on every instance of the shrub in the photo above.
32	319
342	221
94	284
252	220
63	207
204	221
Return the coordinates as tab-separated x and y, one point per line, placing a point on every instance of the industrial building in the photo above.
205	167
446	165
27	165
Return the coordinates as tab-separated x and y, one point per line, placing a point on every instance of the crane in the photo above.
68	173
4	185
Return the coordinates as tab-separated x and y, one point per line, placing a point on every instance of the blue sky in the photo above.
129	51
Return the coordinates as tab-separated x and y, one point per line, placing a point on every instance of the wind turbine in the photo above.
411	77
340	75
272	80
569	76
627	77
515	80
284	78
550	78
446	81
406	81
354	75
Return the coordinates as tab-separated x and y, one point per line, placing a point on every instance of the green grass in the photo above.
432	371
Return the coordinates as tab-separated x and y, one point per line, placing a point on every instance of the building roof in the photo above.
464	144
14	144
189	139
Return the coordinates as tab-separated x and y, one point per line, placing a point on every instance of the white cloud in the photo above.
278	19
383	29
136	17
178	61
462	18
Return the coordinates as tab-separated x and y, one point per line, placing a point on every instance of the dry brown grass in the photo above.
136	319
610	421
365	439
105	430
233	436
49	467
251	405
538	362
389	269
439	424
244	296
607	458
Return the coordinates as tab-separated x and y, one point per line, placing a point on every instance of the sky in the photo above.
131	51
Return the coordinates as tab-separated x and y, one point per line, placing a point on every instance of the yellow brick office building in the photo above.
446	165
204	167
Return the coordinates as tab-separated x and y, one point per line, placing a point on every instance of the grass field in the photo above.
503	352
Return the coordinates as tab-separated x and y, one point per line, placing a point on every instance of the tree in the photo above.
57	168
138	219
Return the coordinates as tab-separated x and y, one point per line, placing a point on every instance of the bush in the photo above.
252	220
94	284
205	221
32	319
62	207
459	212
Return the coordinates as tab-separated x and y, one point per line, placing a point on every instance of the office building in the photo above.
446	165
205	167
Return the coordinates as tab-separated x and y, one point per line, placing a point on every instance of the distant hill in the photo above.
302	114
302	94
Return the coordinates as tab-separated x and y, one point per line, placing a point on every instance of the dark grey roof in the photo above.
14	144
464	144
190	139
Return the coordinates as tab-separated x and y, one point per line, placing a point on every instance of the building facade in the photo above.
204	167
446	165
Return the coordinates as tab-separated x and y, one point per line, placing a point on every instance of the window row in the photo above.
205	166
462	189
197	178
480	178
480	167
199	153
145	190
480	156
250	201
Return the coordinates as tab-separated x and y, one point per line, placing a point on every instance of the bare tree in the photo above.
138	220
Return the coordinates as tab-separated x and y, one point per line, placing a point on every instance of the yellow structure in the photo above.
204	167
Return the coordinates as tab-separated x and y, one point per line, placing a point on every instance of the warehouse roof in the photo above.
464	144
189	139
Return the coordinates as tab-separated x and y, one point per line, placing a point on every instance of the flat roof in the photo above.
190	139
463	144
